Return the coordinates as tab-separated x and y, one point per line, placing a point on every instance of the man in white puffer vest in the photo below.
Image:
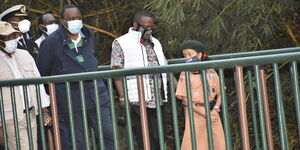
138	48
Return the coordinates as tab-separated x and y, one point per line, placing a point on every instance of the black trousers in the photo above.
152	125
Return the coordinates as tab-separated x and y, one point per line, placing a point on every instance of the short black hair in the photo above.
62	13
41	17
142	13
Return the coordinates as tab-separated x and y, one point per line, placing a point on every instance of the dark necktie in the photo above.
23	43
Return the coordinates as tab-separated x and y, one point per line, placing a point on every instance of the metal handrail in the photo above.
229	55
223	63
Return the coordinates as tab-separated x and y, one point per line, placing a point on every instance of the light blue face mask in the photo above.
74	26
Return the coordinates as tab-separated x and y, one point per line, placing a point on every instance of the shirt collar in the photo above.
66	39
43	37
137	35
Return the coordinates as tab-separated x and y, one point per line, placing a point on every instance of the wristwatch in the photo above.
217	108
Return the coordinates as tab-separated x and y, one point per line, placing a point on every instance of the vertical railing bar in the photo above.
241	95
99	117
128	117
260	108
266	110
280	111
286	135
113	114
71	117
84	115
226	121
158	112
253	110
3	122
174	111
207	110
16	122
190	110
28	113
295	84
54	114
42	131
143	112
93	139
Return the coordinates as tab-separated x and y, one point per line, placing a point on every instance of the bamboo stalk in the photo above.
101	31
291	34
49	5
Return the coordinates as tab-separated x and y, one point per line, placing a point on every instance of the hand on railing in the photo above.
214	115
122	101
47	119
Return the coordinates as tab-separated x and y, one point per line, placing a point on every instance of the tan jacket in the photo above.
25	63
197	87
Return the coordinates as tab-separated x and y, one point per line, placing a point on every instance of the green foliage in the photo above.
224	26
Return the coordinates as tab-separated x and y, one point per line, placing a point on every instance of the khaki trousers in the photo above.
201	133
24	142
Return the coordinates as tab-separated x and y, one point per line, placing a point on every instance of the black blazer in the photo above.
57	57
31	47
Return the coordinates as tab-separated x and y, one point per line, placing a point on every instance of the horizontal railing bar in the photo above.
229	55
254	53
217	64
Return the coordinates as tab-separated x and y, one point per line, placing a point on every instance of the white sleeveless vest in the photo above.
135	56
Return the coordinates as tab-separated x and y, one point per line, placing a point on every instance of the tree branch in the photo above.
101	31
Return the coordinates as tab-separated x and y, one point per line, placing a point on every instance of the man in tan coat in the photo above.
193	52
19	64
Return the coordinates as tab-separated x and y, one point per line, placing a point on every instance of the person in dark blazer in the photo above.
17	16
70	49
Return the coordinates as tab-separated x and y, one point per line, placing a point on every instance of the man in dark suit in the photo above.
17	16
71	50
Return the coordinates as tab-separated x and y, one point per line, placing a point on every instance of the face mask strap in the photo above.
43	29
65	26
2	46
3	49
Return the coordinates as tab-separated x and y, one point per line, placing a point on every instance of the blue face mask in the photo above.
74	26
193	59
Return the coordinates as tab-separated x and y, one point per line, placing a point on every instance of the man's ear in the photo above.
15	25
42	28
63	22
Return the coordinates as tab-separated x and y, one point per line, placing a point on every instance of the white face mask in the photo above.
75	26
11	46
24	26
51	28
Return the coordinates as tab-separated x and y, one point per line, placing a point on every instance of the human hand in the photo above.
122	102
214	115
47	119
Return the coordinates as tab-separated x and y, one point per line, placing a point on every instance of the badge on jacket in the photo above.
80	58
